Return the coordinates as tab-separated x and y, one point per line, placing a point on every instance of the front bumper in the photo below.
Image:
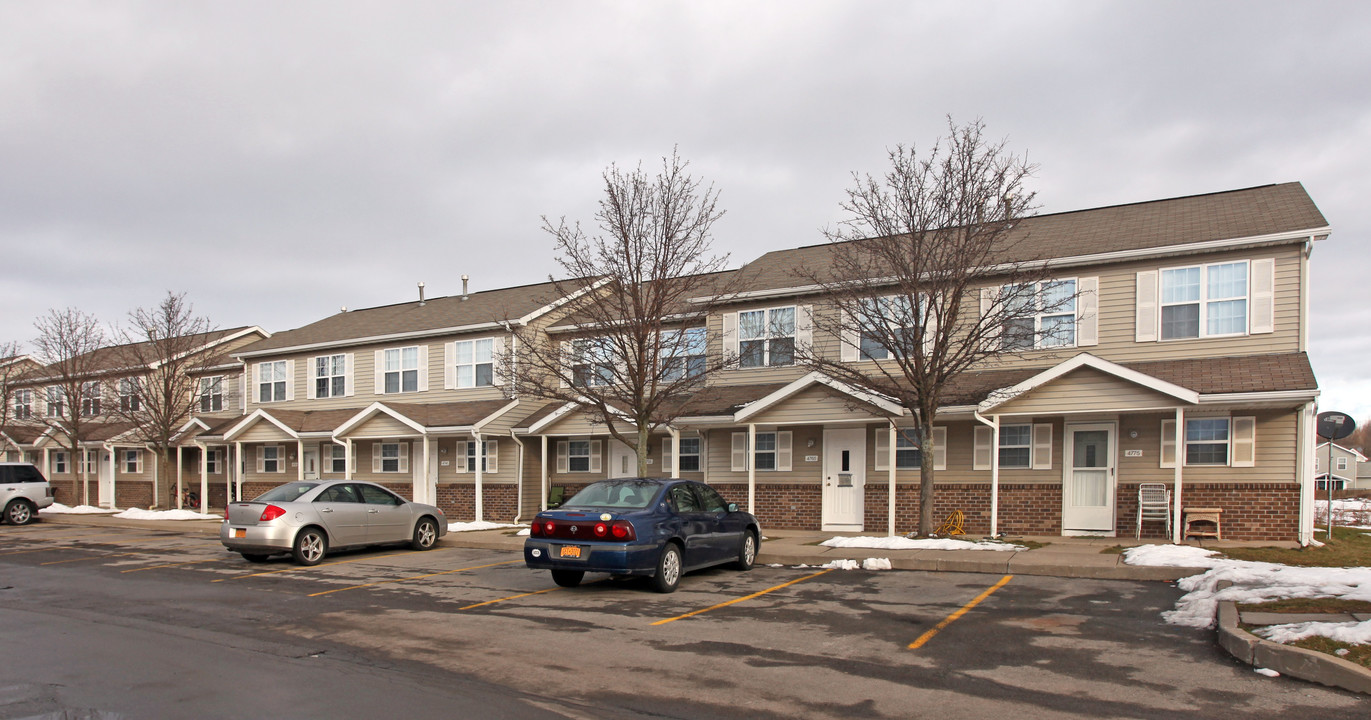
257	538
615	558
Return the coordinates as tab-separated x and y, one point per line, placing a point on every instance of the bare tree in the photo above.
637	353
68	342
159	347
929	277
11	368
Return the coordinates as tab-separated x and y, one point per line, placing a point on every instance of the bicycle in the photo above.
189	499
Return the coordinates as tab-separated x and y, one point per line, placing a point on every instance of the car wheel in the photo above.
747	552
19	512
310	546
255	557
425	534
668	575
568	578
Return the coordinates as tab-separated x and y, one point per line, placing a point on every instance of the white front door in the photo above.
844	479
104	470
1088	484
311	464
623	462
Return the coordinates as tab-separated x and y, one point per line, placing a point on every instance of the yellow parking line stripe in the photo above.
745	597
962	611
97	557
416	577
312	567
154	567
511	597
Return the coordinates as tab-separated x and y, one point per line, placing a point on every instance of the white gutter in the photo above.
369	340
518	477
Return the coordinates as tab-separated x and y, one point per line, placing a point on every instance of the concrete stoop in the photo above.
1297	662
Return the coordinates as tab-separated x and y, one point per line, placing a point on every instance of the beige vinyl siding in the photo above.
1087	390
263	431
1275	440
961	443
747	376
507	457
720	456
382	426
579	424
815	404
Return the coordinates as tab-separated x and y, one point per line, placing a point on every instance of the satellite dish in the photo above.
1335	425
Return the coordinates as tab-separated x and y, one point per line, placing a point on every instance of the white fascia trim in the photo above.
372	410
215	343
370	340
601	326
1074	260
1360	457
210	370
1257	397
480	424
562	301
1085	359
19	359
813	378
252	419
560	412
181	432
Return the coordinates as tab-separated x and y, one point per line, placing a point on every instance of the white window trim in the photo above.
1242	442
784	450
420	370
379	458
563	462
207	391
288	391
1039	315
466	456
667	450
315	377
1204	301
452	378
801	336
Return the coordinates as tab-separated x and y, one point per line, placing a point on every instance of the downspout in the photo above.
675	451
480	465
1176	525
1304	461
238	470
994	424
518	476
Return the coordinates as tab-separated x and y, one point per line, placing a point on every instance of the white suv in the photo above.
23	490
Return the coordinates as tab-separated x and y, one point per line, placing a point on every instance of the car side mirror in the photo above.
733	507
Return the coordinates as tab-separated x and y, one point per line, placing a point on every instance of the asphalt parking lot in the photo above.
773	642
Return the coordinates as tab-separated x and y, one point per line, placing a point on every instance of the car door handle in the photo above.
325	510
373	510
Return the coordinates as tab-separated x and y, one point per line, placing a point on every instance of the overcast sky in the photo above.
279	160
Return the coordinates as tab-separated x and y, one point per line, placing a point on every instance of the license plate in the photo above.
240	532
570	551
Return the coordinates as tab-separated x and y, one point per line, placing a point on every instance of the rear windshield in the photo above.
290	492
632	494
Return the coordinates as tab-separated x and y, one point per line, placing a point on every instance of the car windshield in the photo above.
290	492
633	494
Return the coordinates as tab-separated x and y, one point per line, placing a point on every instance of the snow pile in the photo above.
843	564
1266	671
60	509
846	564
522	533
478	525
1352	633
141	514
876	564
900	543
1252	582
1352	512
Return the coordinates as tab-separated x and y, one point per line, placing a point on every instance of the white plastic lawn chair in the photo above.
1154	503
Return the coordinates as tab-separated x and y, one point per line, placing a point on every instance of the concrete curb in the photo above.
1017	564
1297	662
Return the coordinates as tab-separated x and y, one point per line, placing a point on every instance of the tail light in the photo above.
271	513
618	530
622	530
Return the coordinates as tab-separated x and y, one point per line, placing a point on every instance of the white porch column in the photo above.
299	459
480	467
1304	470
113	451
890	513
47	462
347	461
995	475
704	455
751	468
204	479
238	470
424	475
675	469
542	504
180	458
1176	525
518	477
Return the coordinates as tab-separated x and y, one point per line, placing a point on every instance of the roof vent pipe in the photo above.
421	293
465	278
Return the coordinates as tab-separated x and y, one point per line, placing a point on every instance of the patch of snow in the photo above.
1352	633
1266	671
876	564
522	532
141	514
1352	511
901	543
478	525
775	565
60	509
843	564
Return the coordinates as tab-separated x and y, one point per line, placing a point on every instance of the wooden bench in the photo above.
1201	515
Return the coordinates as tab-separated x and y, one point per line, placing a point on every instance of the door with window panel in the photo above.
844	479
1089	482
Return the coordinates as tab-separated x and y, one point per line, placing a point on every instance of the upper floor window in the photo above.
90	399
330	376
130	397
683	353
590	362
57	398
1204	301
885	322
766	337
1039	315
212	393
1342	463
402	370
271	382
475	362
23	404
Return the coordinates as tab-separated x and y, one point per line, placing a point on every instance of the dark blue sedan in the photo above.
641	526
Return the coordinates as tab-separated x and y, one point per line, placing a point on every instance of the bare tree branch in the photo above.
67	343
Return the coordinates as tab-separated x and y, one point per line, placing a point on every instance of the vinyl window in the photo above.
271	381
338	459
90	399
130	395
57	397
578	456
1016	446
402	370
271	459
1039	315
766	338
895	313
330	376
1206	441
213	461
212	393
59	463
683	353
475	362
133	461
23	404
689	460
591	364
489	457
1204	301
390	457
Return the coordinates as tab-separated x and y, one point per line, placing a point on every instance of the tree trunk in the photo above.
926	479
644	445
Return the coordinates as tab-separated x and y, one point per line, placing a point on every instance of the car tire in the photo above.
568	578
747	551
311	545
425	534
20	512
255	557
668	575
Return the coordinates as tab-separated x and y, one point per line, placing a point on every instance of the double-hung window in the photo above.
271	382
689	460
57	400
338	459
475	362
1204	301
1039	315
578	456
130	397
212	393
489	458
1342	463
766	338
907	452
683	353
59	463
402	370
1016	446
23	404
765	454
213	460
330	376
271	459
90	399
1206	441
390	457
90	462
133	461
591	363
887	322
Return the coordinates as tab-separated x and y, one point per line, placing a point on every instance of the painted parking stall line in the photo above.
511	597
960	612
744	598
92	557
170	565
414	577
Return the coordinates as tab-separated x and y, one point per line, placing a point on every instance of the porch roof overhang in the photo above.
880	402
561	413
371	411
998	398
257	416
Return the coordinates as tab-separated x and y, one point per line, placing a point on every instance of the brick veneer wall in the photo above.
1025	509
1251	511
133	493
499	503
785	506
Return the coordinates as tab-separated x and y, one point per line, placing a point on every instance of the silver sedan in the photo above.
309	518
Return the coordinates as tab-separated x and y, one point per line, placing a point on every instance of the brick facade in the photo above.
499	503
132	493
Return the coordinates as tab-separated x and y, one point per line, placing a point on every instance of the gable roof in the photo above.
119	358
1159	225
